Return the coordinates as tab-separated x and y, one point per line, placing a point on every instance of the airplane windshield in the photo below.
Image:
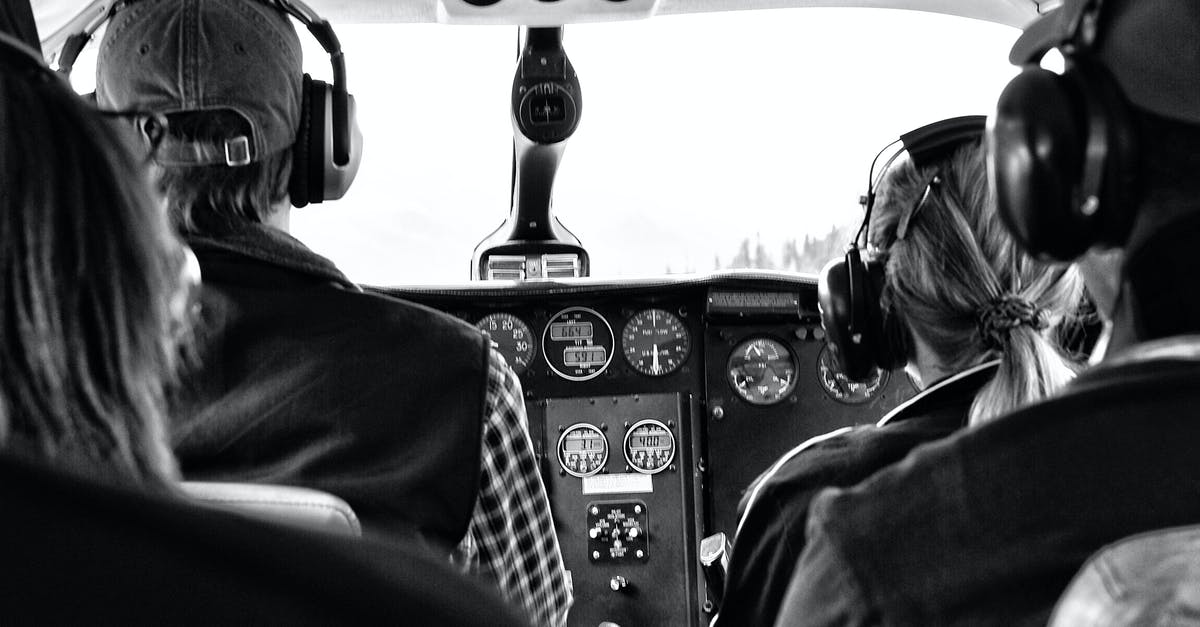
707	141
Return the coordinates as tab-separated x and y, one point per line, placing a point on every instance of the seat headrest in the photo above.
300	507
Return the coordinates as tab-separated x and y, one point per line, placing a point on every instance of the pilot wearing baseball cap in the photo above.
1097	164
303	377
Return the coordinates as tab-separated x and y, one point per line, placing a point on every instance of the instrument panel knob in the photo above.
617	583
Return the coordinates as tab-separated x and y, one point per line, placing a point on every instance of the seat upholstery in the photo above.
1147	579
301	507
80	553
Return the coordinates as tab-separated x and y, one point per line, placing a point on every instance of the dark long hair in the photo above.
955	260
88	270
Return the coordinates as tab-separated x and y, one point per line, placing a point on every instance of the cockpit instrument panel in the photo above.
655	342
762	371
649	447
578	344
582	450
512	337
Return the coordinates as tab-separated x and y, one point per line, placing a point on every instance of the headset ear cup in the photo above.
1118	189
849	306
298	184
1035	159
319	149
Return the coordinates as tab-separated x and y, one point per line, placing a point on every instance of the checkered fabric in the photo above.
511	539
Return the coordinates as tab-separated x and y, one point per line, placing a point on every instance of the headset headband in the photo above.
320	28
925	146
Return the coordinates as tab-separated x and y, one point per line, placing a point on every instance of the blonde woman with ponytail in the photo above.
974	318
964	291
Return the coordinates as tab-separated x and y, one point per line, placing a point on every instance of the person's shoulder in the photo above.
396	314
808	461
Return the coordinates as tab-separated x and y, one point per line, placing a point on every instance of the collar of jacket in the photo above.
972	378
273	246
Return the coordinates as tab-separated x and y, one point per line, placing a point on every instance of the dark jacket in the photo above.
770	534
987	527
305	380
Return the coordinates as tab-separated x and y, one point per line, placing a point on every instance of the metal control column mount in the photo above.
547	104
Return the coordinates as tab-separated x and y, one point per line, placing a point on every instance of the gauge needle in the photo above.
654	362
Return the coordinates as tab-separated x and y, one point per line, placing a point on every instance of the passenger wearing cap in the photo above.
304	378
973	318
988	526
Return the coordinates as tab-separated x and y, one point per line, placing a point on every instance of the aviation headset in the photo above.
1062	152
326	153
860	335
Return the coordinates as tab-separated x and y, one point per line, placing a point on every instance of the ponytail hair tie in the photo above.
1005	313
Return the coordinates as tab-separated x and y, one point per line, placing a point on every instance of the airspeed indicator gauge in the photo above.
655	342
762	371
511	337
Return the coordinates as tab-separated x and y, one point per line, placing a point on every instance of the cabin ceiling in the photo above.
59	18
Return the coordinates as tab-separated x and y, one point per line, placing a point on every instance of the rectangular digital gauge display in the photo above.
584	356
560	331
577	444
645	442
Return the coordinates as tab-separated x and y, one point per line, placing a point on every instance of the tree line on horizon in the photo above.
808	254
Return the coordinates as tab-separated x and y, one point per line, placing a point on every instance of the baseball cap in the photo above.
175	56
1151	47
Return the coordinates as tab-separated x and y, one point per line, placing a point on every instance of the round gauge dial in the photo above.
578	344
649	447
582	450
655	342
511	337
843	390
762	371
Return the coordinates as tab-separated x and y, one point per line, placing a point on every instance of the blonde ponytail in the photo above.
960	282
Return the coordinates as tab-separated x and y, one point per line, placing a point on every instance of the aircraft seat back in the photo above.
76	552
300	507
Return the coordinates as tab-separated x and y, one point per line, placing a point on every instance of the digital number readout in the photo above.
582	442
584	356
561	331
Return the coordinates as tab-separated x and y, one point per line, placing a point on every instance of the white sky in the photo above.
697	131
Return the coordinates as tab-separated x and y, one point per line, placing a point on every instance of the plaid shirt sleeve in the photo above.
511	538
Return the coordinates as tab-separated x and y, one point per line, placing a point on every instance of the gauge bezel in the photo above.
625	446
558	451
880	384
792	358
534	349
687	339
608	358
